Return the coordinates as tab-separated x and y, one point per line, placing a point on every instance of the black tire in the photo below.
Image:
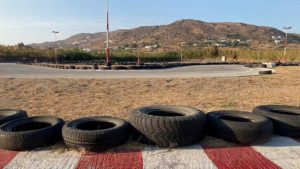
254	65
118	67
265	72
30	133
87	133
7	115
105	67
95	66
286	119
169	126
135	67
239	127
132	67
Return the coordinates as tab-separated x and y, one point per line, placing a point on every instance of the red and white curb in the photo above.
279	152
181	158
285	152
45	159
6	157
112	160
228	156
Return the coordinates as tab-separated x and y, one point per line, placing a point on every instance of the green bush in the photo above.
28	54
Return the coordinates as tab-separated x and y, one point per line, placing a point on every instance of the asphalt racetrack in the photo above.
12	70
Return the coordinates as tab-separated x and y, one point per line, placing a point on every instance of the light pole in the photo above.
107	35
55	48
286	39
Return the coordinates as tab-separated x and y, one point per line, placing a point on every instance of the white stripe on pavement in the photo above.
45	159
192	157
283	151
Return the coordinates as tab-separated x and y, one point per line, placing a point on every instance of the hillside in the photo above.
193	32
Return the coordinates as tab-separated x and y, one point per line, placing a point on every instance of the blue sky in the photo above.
31	21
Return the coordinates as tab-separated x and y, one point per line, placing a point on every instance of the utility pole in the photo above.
107	35
55	48
286	39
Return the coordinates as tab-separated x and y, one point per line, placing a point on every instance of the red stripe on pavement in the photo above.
112	160
238	158
6	157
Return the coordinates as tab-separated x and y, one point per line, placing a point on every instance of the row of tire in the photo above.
165	126
134	66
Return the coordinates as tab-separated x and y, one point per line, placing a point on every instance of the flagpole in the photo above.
107	34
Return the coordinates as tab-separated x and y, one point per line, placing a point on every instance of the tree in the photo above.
235	57
21	45
133	45
216	51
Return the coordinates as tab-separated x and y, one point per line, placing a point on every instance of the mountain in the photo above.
192	32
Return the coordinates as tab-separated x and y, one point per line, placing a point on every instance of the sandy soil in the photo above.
70	99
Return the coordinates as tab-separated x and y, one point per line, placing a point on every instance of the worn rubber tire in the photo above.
95	66
254	65
239	127
134	67
7	115
15	136
99	139
118	67
159	125
105	67
286	119
265	72
131	67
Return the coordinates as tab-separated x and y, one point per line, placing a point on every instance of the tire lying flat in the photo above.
7	115
286	119
96	133
239	127
30	133
265	72
169	126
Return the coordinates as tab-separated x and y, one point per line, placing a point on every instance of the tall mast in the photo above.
286	39
107	33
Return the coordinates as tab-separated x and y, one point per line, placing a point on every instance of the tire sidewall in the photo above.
258	129
25	140
95	140
16	114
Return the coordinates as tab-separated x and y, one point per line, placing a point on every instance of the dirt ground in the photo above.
70	99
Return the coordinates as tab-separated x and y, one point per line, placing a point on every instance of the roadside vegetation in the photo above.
24	53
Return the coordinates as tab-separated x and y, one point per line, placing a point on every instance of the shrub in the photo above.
23	53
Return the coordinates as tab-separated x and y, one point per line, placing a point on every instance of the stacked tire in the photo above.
168	126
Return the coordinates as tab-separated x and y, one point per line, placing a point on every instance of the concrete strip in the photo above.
45	159
6	157
283	151
180	158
